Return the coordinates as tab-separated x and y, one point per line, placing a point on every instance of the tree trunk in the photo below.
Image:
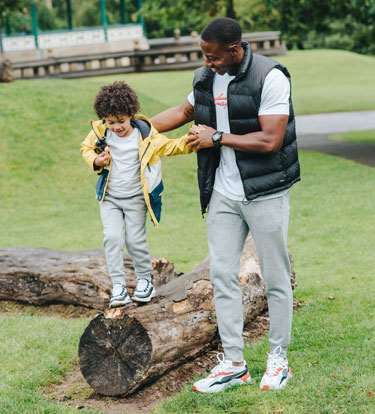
44	276
124	348
230	10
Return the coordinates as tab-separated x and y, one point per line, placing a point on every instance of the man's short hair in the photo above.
222	30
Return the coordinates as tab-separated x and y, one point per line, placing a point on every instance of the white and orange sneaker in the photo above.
277	373
224	375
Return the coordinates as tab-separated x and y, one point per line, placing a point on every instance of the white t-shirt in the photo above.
274	101
125	178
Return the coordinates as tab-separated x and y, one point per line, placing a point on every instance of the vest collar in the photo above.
246	61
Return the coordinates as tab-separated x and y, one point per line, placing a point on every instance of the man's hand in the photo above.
102	159
200	136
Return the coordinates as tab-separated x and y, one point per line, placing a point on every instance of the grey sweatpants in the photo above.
228	224
129	214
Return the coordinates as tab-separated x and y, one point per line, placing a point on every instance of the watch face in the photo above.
216	138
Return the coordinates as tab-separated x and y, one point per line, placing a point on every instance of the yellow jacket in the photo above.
152	146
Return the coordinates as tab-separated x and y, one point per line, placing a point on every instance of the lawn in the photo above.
48	201
355	136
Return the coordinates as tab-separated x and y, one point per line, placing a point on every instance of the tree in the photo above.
298	17
346	24
163	16
6	6
5	67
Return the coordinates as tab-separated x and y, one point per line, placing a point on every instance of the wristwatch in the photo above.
216	138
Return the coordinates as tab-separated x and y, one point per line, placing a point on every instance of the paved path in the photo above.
313	134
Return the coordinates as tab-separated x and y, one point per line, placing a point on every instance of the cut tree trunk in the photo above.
5	70
124	348
45	276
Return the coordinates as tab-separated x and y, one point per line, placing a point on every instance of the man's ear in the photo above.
234	48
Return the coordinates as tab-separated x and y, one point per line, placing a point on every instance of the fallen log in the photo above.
41	276
125	348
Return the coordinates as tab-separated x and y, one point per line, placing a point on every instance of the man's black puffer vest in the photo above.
261	174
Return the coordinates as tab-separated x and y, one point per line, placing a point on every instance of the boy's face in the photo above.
120	125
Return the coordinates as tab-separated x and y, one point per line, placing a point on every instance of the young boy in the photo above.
125	149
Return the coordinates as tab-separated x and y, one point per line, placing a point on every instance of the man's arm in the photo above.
268	140
173	118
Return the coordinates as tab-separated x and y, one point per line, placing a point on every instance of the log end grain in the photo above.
114	354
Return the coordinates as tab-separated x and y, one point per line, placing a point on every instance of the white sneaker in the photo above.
119	296
144	290
224	375
278	372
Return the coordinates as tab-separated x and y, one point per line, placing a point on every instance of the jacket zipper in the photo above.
144	155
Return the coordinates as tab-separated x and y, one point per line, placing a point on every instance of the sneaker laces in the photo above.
275	362
222	365
118	290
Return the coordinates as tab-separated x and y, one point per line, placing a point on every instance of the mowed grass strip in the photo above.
48	200
356	136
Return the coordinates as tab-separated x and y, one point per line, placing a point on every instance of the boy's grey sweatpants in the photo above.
129	214
228	224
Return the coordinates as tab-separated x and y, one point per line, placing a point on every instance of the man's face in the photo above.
120	125
220	58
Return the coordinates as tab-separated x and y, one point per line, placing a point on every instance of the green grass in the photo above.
330	80
355	136
47	200
331	238
34	352
50	190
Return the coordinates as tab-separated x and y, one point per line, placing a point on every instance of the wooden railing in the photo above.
164	54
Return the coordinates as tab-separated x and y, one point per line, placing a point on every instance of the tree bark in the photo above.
44	276
124	348
230	10
5	69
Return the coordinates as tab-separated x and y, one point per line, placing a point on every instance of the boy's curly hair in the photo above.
116	99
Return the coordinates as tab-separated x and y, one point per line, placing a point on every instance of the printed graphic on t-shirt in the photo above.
221	101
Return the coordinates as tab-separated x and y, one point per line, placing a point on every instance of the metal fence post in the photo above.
140	17
123	12
34	18
104	18
69	14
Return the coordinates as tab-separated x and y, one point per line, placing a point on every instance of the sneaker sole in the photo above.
145	299
118	303
277	387
246	379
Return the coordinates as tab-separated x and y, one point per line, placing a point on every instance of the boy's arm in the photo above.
168	147
88	153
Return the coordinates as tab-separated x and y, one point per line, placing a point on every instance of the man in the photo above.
247	160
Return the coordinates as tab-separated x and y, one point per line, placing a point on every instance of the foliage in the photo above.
255	16
163	16
343	24
46	18
8	5
347	24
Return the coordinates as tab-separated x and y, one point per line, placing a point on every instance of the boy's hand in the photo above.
102	159
200	136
